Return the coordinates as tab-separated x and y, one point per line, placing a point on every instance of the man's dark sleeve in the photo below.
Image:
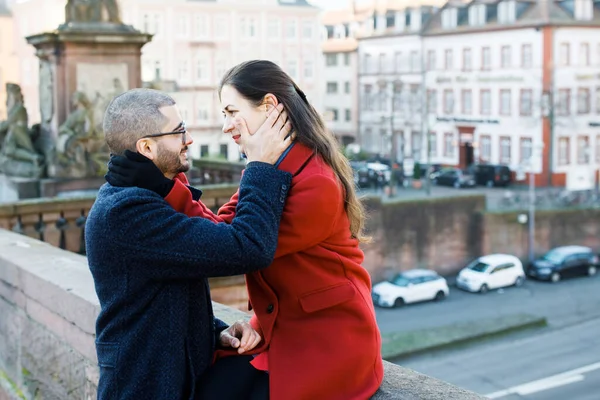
173	246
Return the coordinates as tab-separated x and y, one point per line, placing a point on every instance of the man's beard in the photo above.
169	162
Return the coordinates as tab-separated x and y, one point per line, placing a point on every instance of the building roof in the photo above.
295	3
528	13
363	11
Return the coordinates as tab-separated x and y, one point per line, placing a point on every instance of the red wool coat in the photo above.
313	305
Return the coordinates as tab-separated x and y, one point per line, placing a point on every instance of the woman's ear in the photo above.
270	101
146	147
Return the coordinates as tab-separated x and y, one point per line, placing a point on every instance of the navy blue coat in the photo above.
156	333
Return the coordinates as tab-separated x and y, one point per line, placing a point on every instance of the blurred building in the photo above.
194	43
458	82
9	67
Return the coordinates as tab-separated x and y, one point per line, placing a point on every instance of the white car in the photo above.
491	272
410	287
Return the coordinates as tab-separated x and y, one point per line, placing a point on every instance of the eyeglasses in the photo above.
180	130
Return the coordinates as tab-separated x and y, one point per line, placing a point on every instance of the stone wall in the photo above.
48	308
439	234
553	228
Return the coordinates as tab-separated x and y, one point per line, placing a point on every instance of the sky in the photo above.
331	4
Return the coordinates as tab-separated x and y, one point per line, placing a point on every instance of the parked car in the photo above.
491	272
454	177
373	175
563	262
409	287
491	175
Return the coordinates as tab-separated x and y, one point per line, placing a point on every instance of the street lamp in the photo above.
536	153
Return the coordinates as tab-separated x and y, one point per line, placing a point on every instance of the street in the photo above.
565	303
554	364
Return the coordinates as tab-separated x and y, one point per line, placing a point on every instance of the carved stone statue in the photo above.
80	148
18	156
92	11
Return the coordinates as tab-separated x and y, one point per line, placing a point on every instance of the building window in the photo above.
367	63
183	26
448	101
526	106
505	61
477	15
331	59
507	12
583	150
223	151
598	149
203	150
347	87
291	30
448	145
564	54
200	26
584	54
431	60
201	70
526	56
505	102
563	151
252	28
486	101
292	69
346	59
307	30
485	148
414	61
183	71
333	112
486	59
564	98
505	150
448	59
274	28
432	101
449	18
382	62
583	101
348	115
598	100
584	10
432	144
309	69
467	61
332	87
397	61
526	149
368	98
220	21
467	101
202	114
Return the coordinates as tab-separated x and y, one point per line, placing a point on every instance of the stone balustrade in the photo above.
48	309
61	221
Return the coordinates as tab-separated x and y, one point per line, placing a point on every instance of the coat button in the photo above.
270	308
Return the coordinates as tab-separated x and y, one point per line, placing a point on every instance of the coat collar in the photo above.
296	159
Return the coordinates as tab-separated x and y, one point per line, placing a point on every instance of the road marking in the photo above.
564	378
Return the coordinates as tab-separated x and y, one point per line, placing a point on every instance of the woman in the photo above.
313	305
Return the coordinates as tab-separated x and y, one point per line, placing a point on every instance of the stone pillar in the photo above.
98	59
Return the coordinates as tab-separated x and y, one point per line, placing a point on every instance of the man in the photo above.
156	333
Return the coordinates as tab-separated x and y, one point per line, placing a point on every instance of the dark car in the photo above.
373	175
454	177
564	262
491	175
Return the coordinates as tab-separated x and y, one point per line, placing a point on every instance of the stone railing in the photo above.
61	221
209	172
48	309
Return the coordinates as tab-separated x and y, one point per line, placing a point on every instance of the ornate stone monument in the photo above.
84	63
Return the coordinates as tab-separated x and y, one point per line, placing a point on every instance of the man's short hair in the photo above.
132	115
